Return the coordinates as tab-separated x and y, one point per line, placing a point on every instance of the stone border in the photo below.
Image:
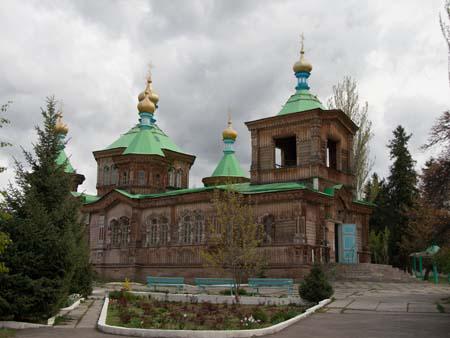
135	332
73	306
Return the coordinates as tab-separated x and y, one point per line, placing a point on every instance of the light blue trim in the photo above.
228	149
302	80
146	120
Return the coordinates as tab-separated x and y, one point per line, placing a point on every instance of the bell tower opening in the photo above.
285	152
332	154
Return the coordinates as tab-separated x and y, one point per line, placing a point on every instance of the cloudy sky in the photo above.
208	56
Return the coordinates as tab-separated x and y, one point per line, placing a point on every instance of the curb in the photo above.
135	332
73	306
9	324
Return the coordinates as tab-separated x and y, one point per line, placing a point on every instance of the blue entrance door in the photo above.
348	244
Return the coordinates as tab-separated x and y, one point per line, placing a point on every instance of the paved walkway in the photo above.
361	309
369	310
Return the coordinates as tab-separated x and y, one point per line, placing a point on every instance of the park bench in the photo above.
178	282
204	282
257	283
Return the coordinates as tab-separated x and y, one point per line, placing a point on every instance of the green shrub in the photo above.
242	292
277	317
261	315
442	260
315	287
114	294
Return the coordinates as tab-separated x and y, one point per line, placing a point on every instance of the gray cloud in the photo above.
208	56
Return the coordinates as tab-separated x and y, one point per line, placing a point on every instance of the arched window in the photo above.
156	230
141	177
199	227
163	230
171	177
269	228
151	235
157	180
178	178
114	175
185	232
124	177
115	232
106	177
124	230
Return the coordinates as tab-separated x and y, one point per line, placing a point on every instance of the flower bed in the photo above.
132	311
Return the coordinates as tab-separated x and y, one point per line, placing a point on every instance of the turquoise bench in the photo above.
178	282
204	282
257	283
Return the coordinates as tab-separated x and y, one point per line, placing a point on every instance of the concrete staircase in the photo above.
368	272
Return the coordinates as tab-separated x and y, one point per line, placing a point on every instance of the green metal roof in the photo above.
330	190
145	141
86	197
243	188
229	167
124	140
61	159
302	100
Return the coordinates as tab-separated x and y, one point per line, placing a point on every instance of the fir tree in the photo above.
4	239
46	256
401	192
315	287
372	188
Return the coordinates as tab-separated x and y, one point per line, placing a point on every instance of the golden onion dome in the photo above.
229	133
153	96
60	126
147	99
302	65
146	106
141	96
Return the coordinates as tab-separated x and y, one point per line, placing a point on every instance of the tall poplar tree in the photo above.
44	258
346	98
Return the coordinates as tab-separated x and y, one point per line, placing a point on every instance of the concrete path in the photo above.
361	309
369	310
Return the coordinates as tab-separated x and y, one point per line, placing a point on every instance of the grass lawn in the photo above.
129	310
7	333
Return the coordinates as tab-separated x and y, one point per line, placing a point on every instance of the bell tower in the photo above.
304	142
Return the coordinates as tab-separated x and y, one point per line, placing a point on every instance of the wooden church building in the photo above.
145	220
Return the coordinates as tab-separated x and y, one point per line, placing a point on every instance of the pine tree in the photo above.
372	188
4	239
401	192
44	258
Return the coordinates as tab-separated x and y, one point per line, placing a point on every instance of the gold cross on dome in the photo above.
149	73
302	40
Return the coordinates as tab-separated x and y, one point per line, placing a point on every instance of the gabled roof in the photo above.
229	167
302	100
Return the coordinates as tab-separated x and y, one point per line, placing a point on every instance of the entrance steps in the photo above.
368	272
